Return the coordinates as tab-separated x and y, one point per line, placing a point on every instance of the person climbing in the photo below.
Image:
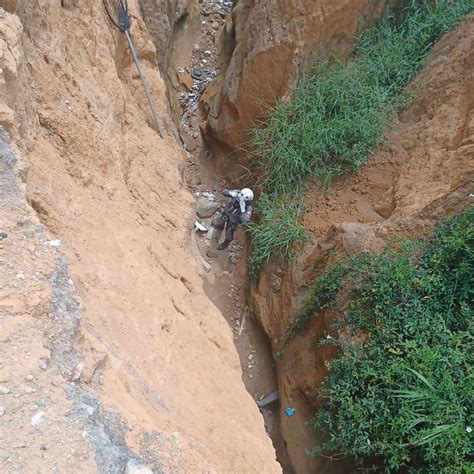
237	211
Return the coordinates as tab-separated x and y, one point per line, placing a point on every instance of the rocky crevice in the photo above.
272	44
98	176
358	213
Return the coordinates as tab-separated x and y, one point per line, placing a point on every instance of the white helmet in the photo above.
246	194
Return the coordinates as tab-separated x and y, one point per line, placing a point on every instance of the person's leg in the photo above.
230	231
220	221
229	235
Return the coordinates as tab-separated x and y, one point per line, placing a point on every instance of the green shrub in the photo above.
339	112
336	116
278	228
403	397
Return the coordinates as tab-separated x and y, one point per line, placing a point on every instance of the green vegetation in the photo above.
338	114
401	394
279	227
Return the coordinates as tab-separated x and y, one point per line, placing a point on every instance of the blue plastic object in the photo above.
290	411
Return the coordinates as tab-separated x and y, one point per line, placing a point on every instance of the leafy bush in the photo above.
338	112
403	397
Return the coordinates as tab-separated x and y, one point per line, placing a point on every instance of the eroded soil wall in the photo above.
151	345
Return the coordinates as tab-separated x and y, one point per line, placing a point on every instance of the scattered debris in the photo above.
209	196
136	467
200	227
3	235
2	411
290	411
268	399
205	207
242	324
206	265
210	233
184	77
197	73
203	68
57	380
37	419
4	390
211	253
213	7
54	243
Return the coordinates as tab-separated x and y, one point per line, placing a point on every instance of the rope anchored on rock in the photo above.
117	11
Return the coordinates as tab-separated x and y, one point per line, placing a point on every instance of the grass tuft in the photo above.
278	229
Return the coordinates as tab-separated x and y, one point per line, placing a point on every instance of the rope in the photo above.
117	11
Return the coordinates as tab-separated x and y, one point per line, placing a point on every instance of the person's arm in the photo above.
233	193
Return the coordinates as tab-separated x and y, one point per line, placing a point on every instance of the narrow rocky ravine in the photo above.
224	273
355	213
109	338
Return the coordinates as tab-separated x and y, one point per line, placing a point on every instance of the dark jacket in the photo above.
233	211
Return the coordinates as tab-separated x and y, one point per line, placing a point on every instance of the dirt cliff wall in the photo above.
275	41
425	172
162	19
150	345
